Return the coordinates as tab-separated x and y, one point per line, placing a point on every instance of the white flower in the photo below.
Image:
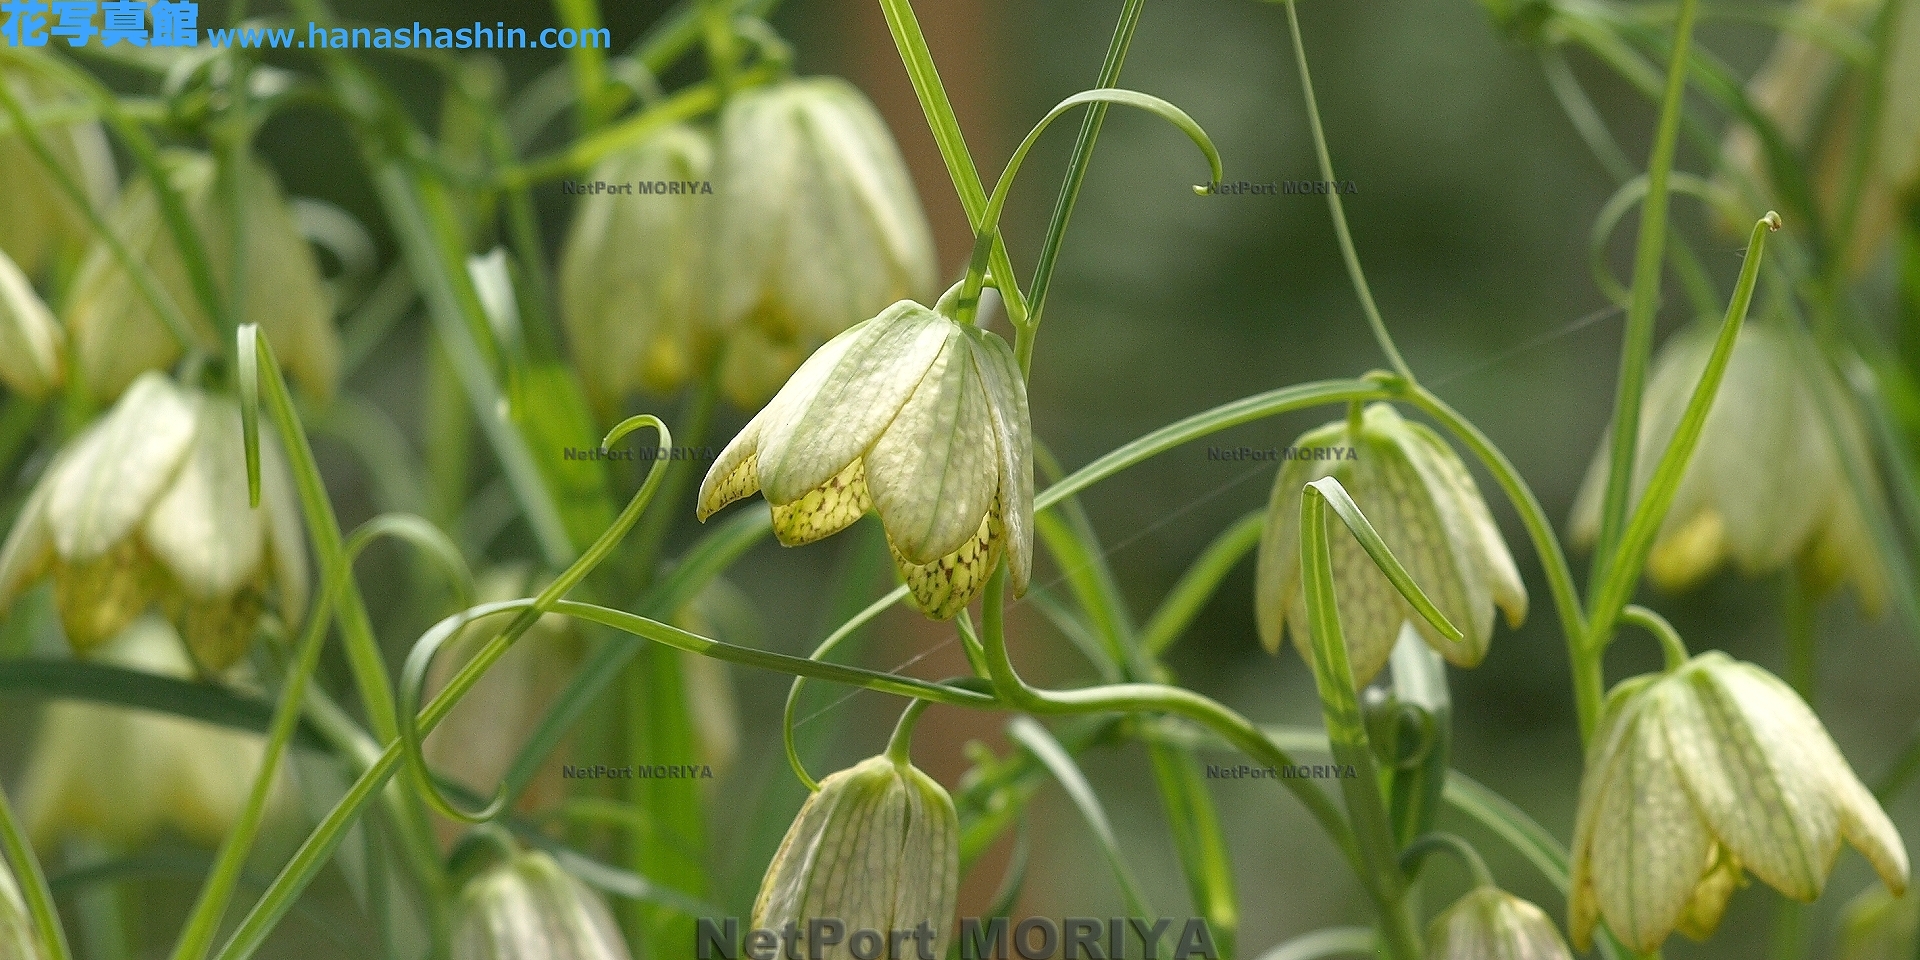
1491	924
877	847
149	505
818	227
38	221
1701	773
528	908
1421	499
919	417
119	776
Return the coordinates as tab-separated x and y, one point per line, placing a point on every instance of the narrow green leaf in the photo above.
1030	734
1204	856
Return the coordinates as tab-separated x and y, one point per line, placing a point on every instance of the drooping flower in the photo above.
632	274
877	847
1767	484
529	908
1421	499
37	219
149	506
1492	924
818	227
1698	776
919	417
119	776
116	333
32	347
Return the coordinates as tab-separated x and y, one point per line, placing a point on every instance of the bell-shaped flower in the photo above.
38	221
119	776
32	347
1421	499
528	908
149	506
117	335
1766	485
1699	775
1492	924
632	273
818	227
917	416
876	848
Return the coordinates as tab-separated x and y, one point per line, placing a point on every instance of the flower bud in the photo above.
1419	496
1876	925
37	219
119	776
116	333
877	847
1698	775
149	505
19	938
916	416
818	226
1767	484
528	908
1491	924
32	352
632	277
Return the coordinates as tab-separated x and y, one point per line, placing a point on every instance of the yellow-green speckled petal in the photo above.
944	587
826	510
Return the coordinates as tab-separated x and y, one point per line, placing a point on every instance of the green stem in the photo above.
1649	254
1347	734
918	60
1616	585
1150	698
839	635
1589	691
900	745
1671	646
987	230
588	62
1077	166
1424	844
51	935
1865	145
1338	210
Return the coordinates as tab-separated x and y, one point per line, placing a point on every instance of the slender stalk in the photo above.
1649	254
588	63
1865	145
1671	646
1334	205
1077	166
900	745
1424	844
1347	734
1154	698
33	881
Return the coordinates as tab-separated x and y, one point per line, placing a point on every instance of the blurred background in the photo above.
1473	205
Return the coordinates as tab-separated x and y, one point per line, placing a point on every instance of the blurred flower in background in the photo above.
528	908
37	219
632	273
1492	924
119	777
116	333
150	506
1767	484
819	227
32	345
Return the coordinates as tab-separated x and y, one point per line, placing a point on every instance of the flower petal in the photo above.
944	587
1277	594
841	400
1013	428
1650	847
1479	536
934	471
117	468
1619	718
28	552
1756	763
202	529
825	511
735	474
31	360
